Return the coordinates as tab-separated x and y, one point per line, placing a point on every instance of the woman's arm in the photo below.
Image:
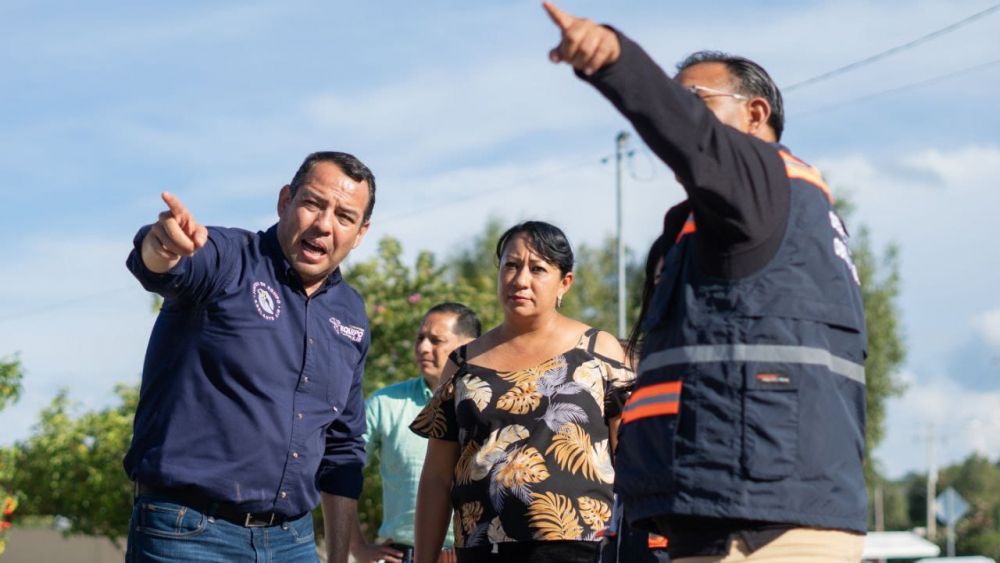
434	499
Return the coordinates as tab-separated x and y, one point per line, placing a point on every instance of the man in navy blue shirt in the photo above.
251	409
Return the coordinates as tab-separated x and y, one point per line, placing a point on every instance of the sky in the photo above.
457	110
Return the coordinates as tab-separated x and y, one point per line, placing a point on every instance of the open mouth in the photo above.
312	249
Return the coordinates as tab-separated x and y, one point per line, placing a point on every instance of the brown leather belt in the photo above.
232	513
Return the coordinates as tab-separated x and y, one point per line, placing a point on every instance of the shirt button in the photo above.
335	409
311	342
299	415
295	455
305	379
284	494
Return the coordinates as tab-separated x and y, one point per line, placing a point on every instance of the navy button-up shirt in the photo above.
251	390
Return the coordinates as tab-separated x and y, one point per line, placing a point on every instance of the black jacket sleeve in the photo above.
736	184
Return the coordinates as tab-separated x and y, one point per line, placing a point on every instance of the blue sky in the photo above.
457	110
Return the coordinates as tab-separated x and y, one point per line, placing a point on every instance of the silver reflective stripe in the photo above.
753	353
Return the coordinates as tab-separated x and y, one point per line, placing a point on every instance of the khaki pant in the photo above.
798	545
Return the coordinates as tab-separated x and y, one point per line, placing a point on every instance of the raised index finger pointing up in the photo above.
559	17
177	208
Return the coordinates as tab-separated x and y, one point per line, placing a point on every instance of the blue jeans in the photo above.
163	531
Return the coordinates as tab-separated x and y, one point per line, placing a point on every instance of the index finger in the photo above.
559	17
177	208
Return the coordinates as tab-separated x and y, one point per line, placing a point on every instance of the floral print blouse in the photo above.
535	455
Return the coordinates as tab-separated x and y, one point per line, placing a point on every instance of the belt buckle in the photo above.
251	522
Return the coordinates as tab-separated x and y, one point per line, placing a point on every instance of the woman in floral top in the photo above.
521	432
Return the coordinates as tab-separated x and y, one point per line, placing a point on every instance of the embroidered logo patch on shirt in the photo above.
266	299
351	332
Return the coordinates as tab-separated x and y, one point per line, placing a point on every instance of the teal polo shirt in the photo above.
389	412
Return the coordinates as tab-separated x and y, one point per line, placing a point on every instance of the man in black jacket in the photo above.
745	434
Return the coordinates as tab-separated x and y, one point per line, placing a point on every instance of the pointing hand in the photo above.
585	45
174	235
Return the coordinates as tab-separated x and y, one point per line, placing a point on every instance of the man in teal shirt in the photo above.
389	412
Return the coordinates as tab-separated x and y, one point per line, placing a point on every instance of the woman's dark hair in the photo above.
546	240
635	338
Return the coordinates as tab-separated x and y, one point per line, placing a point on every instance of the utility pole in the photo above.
932	477
619	153
879	502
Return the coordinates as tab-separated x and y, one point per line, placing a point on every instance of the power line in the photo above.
66	303
517	184
893	50
897	89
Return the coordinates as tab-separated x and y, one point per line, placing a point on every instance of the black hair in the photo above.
751	80
466	322
546	240
635	338
348	164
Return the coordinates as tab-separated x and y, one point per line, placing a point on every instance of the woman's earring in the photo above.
558	301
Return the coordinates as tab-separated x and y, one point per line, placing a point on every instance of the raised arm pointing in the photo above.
174	235
585	45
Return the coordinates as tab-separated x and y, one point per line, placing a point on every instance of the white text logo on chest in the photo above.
351	332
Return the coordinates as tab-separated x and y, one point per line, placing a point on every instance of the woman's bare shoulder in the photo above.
609	347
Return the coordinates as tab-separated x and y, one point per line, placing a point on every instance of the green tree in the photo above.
879	276
397	295
475	266
71	465
594	297
11	376
978	481
880	289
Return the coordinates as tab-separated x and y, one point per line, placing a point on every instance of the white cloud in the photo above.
939	206
76	318
961	420
988	327
500	100
576	195
121	34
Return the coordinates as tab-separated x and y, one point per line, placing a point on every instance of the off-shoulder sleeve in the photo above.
618	383
437	419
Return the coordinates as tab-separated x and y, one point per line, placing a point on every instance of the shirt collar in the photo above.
425	390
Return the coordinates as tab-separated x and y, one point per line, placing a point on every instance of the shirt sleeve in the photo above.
737	185
340	471
437	419
619	380
195	277
373	429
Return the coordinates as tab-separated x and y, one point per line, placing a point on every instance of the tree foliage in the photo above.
72	465
977	480
396	297
11	375
879	290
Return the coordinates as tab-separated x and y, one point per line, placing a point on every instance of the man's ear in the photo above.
760	113
361	234
284	198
